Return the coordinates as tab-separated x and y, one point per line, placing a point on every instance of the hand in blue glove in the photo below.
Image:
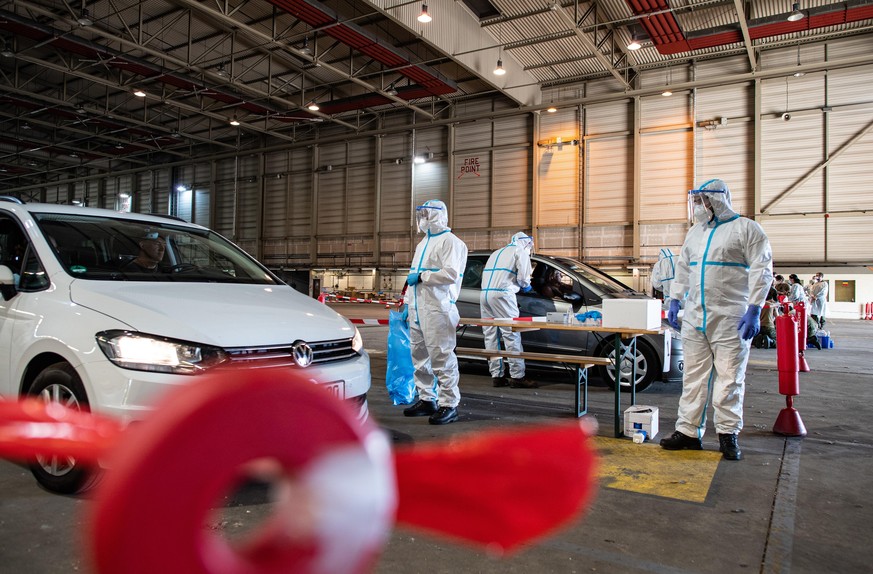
413	278
750	324
673	314
527	289
405	313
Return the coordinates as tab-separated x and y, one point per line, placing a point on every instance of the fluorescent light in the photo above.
796	14
424	17
499	71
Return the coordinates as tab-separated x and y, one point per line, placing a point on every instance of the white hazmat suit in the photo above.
507	271
818	295
663	272
724	268
439	262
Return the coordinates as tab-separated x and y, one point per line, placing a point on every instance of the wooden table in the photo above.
618	334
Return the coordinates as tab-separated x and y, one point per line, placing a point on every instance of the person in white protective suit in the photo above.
723	273
663	272
818	294
507	272
434	285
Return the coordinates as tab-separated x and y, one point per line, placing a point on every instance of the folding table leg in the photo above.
581	390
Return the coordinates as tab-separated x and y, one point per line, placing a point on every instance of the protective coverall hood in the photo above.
523	240
432	217
718	194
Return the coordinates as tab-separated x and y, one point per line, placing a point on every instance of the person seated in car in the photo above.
151	252
554	288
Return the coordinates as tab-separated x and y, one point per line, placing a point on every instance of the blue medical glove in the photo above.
405	313
412	278
673	314
750	324
527	289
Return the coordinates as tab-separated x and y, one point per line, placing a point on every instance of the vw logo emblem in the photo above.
302	354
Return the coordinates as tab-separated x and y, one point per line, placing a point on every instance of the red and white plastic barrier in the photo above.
369	321
867	312
791	334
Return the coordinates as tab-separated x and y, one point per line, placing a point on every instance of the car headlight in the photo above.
357	340
142	352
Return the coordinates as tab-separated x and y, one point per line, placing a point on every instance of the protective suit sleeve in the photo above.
681	282
673	314
527	289
525	270
760	259
750	323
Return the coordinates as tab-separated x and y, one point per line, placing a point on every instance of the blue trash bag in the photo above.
398	375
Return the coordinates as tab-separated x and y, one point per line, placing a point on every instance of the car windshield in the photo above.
120	249
598	280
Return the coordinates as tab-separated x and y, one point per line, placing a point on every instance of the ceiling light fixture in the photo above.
799	72
796	14
499	71
222	71
667	92
634	43
73	154
6	53
424	17
313	106
83	19
139	93
234	122
119	146
391	90
305	49
26	126
551	109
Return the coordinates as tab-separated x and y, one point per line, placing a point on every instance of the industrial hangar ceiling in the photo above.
95	86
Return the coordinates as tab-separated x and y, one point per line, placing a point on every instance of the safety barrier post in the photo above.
788	357
800	311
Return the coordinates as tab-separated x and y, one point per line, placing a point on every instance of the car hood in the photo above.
226	315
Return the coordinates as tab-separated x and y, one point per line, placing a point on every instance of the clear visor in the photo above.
426	212
697	200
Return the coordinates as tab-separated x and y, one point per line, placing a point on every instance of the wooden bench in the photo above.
581	364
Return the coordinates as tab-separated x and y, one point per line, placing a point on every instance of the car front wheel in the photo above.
646	361
59	383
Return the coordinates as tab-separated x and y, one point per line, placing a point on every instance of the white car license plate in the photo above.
338	390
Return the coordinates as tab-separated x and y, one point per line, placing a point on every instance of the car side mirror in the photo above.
572	297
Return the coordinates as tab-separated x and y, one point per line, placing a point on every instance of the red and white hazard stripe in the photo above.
369	321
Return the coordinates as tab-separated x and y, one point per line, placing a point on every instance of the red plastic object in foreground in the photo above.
787	357
499	488
173	469
31	426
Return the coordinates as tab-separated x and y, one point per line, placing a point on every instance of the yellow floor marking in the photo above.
649	469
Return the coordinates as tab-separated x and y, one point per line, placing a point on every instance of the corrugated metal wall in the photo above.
288	208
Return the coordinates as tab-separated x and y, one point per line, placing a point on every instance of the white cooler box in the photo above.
632	313
641	417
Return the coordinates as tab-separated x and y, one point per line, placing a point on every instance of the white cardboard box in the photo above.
641	417
632	313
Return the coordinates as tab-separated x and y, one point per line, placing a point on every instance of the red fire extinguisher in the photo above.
788	336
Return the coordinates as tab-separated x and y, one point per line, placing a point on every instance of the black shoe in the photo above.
523	383
421	409
679	441
499	381
728	447
444	416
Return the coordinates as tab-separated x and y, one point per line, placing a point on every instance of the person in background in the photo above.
723	272
507	272
818	294
663	273
796	294
434	285
782	288
766	339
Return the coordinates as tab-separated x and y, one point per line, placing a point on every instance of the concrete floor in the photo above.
798	505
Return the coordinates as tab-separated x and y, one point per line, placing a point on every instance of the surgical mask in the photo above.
699	210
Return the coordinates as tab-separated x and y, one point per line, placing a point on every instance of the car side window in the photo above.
473	273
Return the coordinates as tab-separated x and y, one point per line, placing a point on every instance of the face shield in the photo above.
425	215
700	207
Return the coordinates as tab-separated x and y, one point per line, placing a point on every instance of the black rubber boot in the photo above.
444	416
523	383
727	445
421	409
679	441
499	382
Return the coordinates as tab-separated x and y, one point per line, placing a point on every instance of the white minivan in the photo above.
106	311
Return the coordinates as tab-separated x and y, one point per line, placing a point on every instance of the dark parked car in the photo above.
565	285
